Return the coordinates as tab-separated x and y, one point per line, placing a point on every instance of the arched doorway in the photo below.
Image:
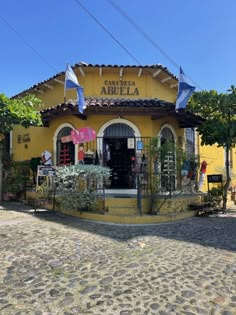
118	154
117	140
64	152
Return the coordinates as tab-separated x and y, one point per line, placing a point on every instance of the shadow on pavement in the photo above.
214	231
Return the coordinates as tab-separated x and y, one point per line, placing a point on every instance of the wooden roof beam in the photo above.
49	86
39	91
59	81
166	79
140	72
155	74
121	72
82	71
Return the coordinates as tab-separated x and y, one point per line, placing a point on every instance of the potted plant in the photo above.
216	194
12	187
8	193
13	180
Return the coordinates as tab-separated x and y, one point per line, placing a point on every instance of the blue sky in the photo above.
198	35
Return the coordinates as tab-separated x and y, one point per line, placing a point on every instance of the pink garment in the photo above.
203	167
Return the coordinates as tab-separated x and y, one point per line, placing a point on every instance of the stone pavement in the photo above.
56	265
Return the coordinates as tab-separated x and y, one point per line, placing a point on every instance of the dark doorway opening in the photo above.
65	154
119	159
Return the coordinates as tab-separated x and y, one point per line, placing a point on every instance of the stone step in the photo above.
121	202
128	219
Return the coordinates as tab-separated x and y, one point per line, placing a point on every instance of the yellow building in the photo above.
125	105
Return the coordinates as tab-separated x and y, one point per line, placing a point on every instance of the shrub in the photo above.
79	186
216	191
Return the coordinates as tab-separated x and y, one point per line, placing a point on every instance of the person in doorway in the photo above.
81	154
202	174
46	158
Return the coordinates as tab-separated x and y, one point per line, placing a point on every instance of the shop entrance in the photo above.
119	158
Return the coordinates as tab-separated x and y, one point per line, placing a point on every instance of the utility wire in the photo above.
146	36
28	44
117	7
141	30
106	30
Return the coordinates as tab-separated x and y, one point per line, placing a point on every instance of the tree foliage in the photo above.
219	112
22	111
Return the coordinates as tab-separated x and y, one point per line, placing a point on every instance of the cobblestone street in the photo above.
51	264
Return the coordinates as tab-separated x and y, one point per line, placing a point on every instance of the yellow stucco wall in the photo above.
41	138
215	158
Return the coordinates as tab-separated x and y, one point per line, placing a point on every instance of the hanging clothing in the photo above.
202	174
203	167
185	168
108	153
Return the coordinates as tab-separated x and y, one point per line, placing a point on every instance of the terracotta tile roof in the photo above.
121	102
91	103
98	106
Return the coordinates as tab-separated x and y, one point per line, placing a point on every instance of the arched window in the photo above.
119	130
168	165
166	134
190	141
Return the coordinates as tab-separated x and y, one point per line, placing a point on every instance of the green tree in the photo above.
23	111
219	127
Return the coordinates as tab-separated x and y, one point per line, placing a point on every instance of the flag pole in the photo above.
65	85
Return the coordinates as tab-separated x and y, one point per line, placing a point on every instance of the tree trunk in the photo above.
228	179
